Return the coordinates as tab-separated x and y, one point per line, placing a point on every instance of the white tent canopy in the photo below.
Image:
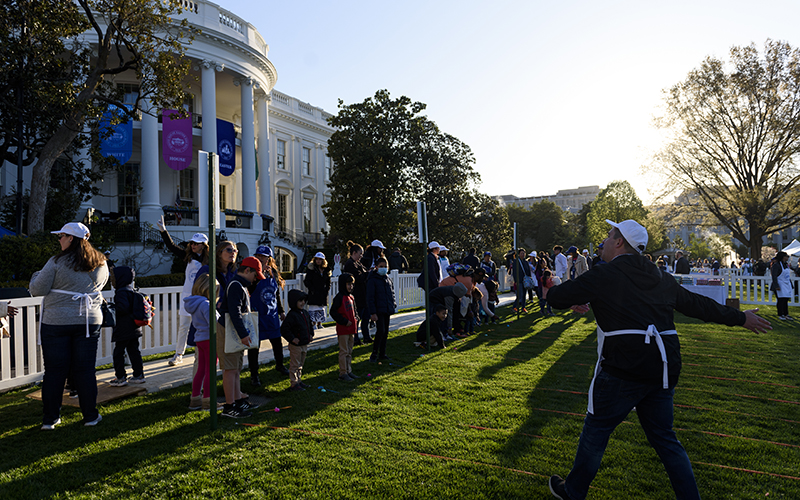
793	248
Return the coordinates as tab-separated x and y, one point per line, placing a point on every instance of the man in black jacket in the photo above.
681	264
639	354
471	260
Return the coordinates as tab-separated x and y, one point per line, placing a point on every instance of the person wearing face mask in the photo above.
381	305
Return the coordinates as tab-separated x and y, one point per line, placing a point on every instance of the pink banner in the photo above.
176	135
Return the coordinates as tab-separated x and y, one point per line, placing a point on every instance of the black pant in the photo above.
783	306
365	326
277	353
381	335
132	347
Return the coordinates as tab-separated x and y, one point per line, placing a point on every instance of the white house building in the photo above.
279	184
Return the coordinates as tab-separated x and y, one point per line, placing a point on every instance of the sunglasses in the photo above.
62	236
231	250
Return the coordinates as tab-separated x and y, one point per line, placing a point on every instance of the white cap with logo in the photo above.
633	232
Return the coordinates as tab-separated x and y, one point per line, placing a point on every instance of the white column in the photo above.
297	170
264	164
248	143
208	82
150	208
319	176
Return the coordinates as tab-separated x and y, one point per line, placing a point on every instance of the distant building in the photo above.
571	200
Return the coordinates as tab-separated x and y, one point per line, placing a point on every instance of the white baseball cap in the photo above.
200	238
319	255
633	232
443	248
377	243
75	229
433	245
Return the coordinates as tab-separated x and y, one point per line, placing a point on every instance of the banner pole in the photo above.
211	161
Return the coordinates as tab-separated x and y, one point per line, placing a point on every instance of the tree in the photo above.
387	156
73	79
617	202
735	137
373	152
542	226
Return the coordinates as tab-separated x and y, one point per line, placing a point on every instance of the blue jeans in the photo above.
68	352
614	398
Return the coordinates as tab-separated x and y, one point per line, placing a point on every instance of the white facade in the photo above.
284	138
571	200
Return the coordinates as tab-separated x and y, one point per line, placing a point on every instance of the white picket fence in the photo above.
21	359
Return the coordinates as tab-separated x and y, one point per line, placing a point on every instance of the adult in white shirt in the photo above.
561	261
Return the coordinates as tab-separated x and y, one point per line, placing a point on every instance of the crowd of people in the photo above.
462	295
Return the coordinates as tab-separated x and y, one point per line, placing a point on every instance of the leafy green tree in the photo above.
387	156
617	202
735	139
698	248
374	151
70	80
542	226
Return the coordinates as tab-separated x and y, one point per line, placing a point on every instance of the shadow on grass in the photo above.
530	347
81	457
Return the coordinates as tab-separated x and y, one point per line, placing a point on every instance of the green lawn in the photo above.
492	417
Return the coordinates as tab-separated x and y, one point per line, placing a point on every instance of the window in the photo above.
128	190
306	162
285	260
306	215
281	154
130	92
223	197
282	212
328	170
186	187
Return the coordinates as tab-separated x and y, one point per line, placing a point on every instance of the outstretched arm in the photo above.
756	323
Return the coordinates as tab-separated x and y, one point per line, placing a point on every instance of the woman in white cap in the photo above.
318	283
371	255
70	323
195	254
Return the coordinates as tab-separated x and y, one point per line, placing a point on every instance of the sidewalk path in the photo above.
160	375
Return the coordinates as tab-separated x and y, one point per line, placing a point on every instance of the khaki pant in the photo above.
345	353
297	358
227	361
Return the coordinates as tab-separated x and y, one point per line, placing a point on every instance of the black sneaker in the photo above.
233	411
305	386
255	381
353	375
282	370
373	359
558	487
245	404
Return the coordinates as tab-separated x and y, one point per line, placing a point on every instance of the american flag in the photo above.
177	204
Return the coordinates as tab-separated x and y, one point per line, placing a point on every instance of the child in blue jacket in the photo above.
381	305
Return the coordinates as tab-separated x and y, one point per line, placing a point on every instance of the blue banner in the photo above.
226	147
116	140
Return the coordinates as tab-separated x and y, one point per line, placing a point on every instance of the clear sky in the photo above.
549	95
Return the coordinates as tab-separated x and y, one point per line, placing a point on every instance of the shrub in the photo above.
24	255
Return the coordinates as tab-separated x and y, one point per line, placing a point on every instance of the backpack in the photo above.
143	310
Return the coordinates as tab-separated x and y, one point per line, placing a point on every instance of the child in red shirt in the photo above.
343	311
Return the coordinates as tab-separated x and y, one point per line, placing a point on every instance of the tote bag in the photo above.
232	341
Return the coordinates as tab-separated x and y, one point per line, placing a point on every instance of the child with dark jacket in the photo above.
236	302
298	331
437	320
343	311
126	333
380	306
444	296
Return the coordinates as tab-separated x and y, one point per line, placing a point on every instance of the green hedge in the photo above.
159	280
